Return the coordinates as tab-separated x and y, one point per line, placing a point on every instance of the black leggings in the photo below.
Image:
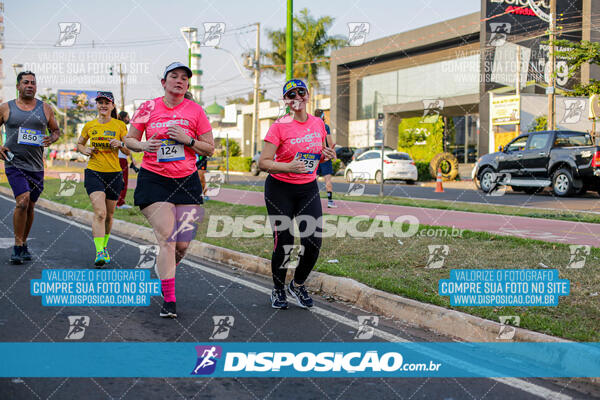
286	201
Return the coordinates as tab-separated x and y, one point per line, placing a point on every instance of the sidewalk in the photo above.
548	230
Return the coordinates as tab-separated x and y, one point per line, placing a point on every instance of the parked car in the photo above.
396	165
254	165
361	150
566	161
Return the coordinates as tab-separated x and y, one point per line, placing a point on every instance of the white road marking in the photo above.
516	383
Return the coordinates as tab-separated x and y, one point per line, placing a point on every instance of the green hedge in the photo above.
423	170
337	164
239	163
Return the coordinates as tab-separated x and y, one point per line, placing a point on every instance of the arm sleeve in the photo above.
142	115
273	135
202	124
84	131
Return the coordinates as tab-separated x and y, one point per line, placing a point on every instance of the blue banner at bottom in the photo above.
295	359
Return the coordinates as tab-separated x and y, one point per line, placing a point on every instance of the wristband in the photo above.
122	145
192	142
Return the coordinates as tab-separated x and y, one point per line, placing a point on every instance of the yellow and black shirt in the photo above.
105	158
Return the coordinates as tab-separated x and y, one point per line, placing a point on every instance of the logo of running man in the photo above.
207	359
293	252
187	218
437	255
142	114
366	326
573	111
500	31
507	326
212	33
68	183
357	33
578	256
431	110
223	323
357	185
148	254
213	183
68	32
499	181
77	325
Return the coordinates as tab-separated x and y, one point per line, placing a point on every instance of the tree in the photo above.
311	46
578	54
539	124
74	116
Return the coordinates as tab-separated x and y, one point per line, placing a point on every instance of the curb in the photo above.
435	318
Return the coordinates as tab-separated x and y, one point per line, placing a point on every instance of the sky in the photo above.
144	37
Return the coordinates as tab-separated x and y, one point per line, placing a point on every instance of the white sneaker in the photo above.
331	204
124	207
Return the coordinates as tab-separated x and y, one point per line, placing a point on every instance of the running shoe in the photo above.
206	198
331	204
16	257
168	310
124	207
300	294
25	253
278	299
106	256
100	259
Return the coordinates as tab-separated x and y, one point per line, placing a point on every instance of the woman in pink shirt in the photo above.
168	190
294	146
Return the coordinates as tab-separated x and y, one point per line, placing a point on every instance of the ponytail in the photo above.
113	113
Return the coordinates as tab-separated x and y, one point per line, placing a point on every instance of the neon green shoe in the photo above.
106	256
100	259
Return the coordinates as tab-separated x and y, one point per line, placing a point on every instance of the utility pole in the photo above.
289	42
517	90
256	88
551	60
122	81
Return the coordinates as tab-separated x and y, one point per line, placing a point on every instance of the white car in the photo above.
396	165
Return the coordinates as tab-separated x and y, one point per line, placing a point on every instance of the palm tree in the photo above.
312	44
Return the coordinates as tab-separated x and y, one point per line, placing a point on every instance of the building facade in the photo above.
447	70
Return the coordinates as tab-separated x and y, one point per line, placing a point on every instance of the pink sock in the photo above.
168	288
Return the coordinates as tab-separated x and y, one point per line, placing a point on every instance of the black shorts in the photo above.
201	164
154	188
110	183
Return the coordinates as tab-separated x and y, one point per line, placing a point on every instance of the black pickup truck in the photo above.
567	161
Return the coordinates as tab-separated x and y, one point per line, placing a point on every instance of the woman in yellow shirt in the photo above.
103	175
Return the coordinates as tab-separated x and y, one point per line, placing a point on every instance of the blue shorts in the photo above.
22	181
325	168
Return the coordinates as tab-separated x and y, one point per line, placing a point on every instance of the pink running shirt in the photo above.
154	117
291	137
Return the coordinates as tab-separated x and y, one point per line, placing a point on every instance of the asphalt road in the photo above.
589	202
203	291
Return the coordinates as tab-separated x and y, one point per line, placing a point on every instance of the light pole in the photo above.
190	34
17	68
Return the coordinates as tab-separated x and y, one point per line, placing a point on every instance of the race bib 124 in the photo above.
169	151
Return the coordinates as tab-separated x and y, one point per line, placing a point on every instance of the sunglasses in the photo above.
292	94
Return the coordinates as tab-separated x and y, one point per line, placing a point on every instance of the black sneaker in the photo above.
25	253
300	294
168	310
17	256
278	299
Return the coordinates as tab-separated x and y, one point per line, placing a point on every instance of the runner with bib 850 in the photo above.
103	175
294	146
168	190
27	120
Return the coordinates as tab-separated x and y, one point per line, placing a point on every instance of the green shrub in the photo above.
423	170
337	164
238	163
